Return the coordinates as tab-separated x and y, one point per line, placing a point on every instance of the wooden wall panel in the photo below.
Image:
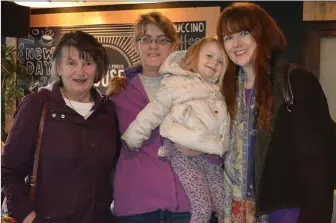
319	11
208	14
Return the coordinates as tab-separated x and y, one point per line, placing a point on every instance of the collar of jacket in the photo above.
214	80
56	99
132	71
133	78
264	136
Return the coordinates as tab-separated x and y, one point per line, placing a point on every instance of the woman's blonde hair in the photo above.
190	60
161	21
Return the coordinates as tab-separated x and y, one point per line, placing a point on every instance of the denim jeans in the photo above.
159	216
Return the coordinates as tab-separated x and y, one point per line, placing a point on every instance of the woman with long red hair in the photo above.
278	167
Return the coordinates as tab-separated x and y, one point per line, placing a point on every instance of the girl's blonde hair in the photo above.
161	21
190	60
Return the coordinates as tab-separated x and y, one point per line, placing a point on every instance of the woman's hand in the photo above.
187	152
30	218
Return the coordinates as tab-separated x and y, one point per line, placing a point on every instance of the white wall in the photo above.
328	82
328	72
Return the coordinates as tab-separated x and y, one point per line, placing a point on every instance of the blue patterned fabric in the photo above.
239	160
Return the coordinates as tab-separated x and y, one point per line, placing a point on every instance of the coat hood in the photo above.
51	85
172	66
48	87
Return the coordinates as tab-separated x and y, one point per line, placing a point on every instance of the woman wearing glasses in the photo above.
146	189
78	141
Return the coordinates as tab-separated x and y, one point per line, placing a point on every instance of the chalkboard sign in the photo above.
35	51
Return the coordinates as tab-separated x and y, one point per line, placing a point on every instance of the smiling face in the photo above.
210	60
153	54
77	73
240	47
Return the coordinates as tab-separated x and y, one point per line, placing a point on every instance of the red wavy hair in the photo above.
245	16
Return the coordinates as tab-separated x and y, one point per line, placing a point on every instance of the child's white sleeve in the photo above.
148	119
169	94
198	139
218	145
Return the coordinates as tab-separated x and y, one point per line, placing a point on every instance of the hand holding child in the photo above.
188	152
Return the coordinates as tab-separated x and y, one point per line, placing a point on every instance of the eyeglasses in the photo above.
161	40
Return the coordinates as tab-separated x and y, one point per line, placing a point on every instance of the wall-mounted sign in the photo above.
36	50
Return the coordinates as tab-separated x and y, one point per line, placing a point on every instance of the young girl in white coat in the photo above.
192	113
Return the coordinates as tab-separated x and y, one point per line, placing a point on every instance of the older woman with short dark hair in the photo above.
78	141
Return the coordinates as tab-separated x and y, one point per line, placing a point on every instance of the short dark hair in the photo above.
87	46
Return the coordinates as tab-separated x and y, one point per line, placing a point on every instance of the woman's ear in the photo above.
96	77
136	46
54	71
175	46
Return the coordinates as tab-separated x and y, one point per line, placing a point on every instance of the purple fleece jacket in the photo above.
143	181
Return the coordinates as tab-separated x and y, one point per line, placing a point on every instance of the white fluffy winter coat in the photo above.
191	112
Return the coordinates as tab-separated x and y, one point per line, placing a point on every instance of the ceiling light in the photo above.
41	3
49	3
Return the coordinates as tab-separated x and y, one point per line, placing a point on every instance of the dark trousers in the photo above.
159	216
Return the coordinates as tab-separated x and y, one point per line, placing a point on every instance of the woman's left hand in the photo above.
188	152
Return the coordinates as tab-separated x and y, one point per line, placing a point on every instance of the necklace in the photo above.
66	96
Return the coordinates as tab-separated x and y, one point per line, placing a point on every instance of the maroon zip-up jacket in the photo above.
76	160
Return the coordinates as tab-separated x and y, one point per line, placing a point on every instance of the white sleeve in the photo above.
197	140
169	94
214	144
148	119
181	130
192	139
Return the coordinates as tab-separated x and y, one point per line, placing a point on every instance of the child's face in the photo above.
210	61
